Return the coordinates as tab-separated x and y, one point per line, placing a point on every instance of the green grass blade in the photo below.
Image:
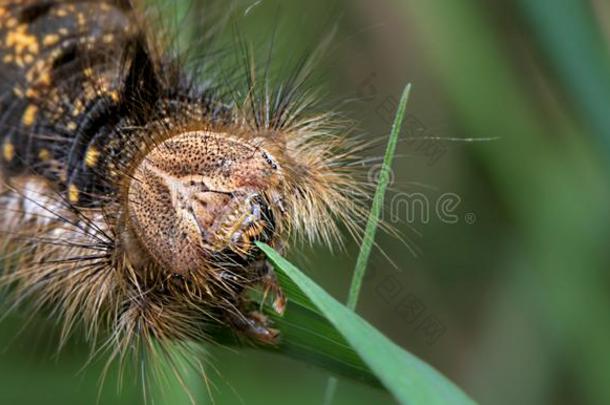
408	378
373	220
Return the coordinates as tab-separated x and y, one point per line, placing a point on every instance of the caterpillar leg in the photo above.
256	326
247	319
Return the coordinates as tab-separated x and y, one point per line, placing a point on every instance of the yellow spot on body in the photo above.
44	79
29	116
115	96
71	126
8	151
91	157
44	154
73	193
21	40
50	39
108	38
88	72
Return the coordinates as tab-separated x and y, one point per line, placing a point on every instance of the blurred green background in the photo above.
503	286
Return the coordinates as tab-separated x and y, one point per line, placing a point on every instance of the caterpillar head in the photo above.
205	197
201	195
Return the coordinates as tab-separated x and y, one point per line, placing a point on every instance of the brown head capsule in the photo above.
201	195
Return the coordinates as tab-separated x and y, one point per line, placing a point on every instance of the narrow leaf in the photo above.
373	221
408	378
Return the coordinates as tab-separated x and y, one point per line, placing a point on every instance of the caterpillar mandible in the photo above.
132	195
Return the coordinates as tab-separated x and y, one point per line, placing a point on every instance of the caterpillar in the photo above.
132	193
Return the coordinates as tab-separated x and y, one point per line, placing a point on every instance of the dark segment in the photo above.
75	78
59	82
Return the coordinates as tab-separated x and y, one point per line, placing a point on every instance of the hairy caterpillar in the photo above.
132	195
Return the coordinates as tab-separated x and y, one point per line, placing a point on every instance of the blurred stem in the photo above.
571	39
372	224
331	390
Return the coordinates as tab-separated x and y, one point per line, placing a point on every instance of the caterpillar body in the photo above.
132	196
